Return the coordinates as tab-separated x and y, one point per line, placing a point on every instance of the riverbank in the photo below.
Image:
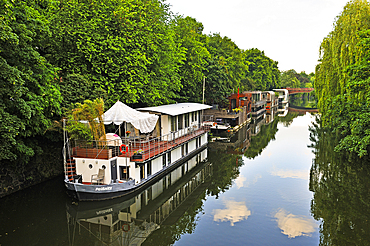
45	165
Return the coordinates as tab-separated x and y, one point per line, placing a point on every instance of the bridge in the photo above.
299	90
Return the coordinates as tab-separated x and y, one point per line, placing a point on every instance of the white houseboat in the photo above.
283	102
156	140
132	219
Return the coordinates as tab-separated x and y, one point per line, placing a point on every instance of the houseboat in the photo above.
229	120
131	220
283	102
155	141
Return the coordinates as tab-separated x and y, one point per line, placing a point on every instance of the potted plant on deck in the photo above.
138	154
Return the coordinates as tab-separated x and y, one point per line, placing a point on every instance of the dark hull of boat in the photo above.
82	192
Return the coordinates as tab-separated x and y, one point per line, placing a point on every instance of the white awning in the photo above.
120	113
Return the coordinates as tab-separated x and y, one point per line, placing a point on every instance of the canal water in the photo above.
270	184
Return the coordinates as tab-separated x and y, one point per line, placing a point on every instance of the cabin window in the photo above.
169	158
149	168
164	160
173	124
186	148
186	120
196	143
256	97
195	116
124	172
180	121
90	166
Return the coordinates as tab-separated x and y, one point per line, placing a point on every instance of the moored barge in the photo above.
155	141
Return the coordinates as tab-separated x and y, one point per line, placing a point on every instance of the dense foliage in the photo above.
263	73
56	53
342	78
29	95
293	79
340	185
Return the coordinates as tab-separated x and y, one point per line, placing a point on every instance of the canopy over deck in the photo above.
120	113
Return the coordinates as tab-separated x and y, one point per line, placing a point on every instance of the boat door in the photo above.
142	173
113	170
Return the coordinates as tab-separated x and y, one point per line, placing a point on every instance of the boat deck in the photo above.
149	149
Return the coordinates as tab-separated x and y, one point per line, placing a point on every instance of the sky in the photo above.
288	31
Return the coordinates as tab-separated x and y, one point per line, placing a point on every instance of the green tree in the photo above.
339	50
263	73
225	69
124	47
342	78
190	37
29	96
289	79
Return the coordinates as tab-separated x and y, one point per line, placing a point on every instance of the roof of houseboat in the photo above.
176	109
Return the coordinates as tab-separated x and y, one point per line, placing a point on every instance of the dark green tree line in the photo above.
263	73
29	90
54	54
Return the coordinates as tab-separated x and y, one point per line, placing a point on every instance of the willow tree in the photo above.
342	78
339	50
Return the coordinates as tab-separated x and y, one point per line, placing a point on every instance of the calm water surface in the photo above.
253	190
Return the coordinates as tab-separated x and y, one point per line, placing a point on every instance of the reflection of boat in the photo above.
220	128
283	113
237	144
99	170
257	124
131	221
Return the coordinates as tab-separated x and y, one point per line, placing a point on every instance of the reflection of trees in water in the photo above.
260	141
307	100
341	185
288	119
225	168
169	234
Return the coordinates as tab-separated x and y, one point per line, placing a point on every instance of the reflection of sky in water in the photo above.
296	174
240	181
277	178
293	225
234	212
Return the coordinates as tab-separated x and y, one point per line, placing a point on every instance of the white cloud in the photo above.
293	225
296	174
234	212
